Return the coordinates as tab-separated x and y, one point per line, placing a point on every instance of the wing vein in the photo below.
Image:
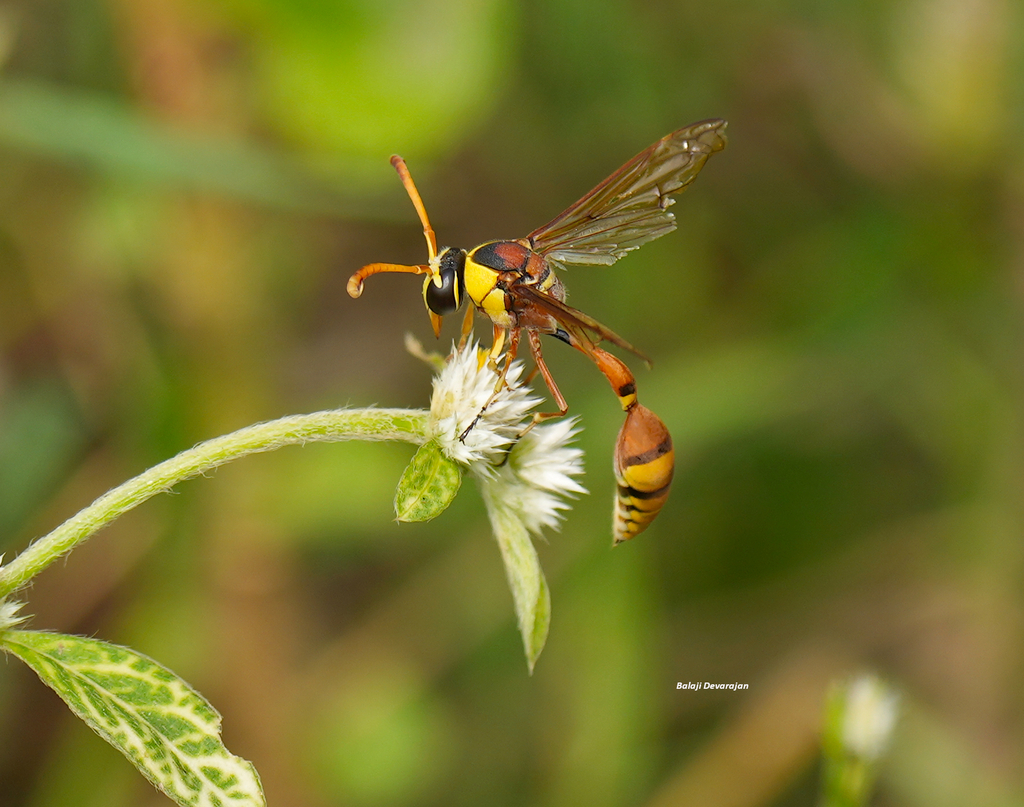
630	207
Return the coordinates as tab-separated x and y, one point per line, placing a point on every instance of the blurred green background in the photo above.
836	331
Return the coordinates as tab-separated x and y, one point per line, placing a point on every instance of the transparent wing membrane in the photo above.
630	207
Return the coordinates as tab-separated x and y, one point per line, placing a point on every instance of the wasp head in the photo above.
445	286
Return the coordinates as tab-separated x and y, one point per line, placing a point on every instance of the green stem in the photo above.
408	425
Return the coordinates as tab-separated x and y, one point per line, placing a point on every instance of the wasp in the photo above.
515	284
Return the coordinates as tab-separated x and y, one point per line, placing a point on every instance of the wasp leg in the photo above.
496	347
539	364
538	357
510	354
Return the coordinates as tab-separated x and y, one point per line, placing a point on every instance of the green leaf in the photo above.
164	727
428	485
525	577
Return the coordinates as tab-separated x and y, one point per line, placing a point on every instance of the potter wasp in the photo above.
515	285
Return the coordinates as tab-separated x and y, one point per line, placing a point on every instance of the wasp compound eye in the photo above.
447	298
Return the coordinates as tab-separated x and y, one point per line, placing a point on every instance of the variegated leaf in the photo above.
166	728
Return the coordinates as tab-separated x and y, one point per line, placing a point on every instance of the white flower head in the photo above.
525	474
462	390
529	476
538	476
869	716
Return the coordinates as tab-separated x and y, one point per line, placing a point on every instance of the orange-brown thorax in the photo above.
494	268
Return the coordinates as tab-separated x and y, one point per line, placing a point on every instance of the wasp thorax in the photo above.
446	297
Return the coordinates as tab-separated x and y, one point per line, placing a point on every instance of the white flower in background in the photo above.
868	717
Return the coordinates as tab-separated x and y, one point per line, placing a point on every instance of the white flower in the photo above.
528	475
537	476
869	716
525	474
461	392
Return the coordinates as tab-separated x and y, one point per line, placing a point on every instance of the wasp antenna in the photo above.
421	211
355	283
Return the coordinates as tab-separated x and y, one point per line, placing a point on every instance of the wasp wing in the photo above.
630	208
580	325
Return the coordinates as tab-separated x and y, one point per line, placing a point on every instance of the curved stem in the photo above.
408	425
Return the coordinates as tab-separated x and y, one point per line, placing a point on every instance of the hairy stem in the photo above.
408	425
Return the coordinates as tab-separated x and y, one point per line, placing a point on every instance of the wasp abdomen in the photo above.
644	464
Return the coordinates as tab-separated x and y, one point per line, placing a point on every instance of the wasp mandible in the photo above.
515	285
